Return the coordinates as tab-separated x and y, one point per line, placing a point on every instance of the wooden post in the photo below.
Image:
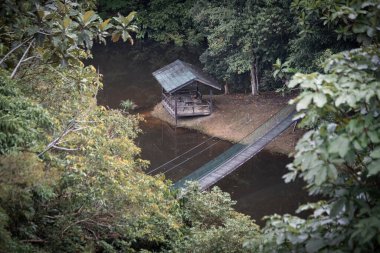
295	125
175	110
210	101
162	133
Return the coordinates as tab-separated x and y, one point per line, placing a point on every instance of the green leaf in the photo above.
375	153
374	136
314	245
290	176
332	172
129	18
320	175
115	36
87	16
320	99
359	28
337	207
66	22
374	167
304	102
126	36
104	24
340	145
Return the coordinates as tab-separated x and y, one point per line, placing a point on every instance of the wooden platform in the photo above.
186	106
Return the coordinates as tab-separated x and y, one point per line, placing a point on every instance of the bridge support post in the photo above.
175	110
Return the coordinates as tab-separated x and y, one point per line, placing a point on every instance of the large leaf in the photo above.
129	18
314	245
87	16
374	167
340	145
304	102
320	99
104	24
116	36
66	22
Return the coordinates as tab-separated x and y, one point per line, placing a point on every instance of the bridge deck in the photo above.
233	158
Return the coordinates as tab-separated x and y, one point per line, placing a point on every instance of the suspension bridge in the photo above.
216	169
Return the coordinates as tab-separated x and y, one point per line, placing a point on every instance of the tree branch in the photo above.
34	241
65	149
14	49
67	130
22	58
29	58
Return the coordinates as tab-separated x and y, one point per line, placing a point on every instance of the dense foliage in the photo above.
71	179
338	157
161	20
244	37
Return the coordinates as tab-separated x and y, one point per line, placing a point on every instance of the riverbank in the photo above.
237	115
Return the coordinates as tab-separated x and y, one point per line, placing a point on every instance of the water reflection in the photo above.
127	71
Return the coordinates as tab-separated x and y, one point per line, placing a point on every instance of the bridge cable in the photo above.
175	158
190	157
196	153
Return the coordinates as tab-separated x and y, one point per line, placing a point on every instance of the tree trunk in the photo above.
257	78
226	89
254	82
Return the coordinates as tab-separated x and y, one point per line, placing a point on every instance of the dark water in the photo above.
257	186
259	189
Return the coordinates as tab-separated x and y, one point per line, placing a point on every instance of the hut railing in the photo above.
169	101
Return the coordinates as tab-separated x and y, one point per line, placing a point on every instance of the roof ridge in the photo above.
173	76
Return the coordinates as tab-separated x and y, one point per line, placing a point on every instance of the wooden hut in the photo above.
181	89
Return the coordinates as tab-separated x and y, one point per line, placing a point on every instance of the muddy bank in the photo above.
237	115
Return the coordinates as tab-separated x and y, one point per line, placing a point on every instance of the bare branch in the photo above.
67	130
65	149
79	129
73	224
44	33
14	49
29	58
34	241
22	58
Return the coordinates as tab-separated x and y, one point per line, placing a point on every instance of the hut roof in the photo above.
179	74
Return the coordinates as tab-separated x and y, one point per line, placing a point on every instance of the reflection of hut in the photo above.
181	93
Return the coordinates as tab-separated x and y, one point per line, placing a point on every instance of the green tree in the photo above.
243	37
321	33
54	32
164	21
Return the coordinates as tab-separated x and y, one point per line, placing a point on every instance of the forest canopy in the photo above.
71	175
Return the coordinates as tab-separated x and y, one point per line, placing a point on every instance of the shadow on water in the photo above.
257	186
